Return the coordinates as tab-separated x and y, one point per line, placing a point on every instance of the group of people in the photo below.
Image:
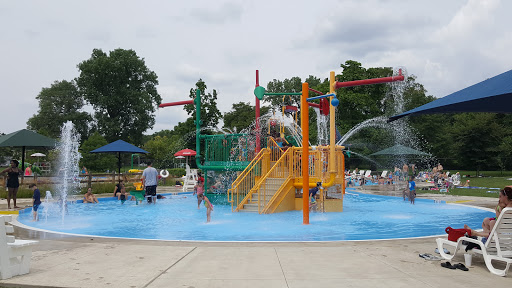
149	181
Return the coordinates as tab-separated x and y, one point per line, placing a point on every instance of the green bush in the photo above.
25	192
104	188
177	172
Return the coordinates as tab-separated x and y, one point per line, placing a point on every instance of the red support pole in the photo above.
316	91
176	103
369	81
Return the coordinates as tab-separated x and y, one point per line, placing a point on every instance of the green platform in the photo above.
139	195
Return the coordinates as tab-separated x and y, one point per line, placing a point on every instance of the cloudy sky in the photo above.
448	45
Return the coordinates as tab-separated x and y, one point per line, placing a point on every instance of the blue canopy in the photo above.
119	146
492	95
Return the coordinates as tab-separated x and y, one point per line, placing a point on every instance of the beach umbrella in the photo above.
492	95
26	139
119	147
185	153
38	155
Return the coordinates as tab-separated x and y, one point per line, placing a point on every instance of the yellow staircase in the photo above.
270	182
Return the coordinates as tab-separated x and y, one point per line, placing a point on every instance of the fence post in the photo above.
89	180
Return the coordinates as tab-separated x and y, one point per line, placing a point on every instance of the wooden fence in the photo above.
88	179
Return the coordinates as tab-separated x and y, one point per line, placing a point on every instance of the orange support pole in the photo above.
304	122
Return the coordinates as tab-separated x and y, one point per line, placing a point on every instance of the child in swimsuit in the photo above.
209	209
199	190
122	195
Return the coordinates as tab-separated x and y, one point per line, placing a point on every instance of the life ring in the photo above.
164	173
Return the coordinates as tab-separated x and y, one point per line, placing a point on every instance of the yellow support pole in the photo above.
332	130
304	121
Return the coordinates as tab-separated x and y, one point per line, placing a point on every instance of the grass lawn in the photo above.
484	182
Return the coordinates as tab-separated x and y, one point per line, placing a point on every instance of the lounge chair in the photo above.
384	174
498	246
368	175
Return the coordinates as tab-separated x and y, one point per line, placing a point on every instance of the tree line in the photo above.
122	92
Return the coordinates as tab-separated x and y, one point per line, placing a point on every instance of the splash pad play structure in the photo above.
269	180
275	178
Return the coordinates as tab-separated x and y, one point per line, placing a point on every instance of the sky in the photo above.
447	45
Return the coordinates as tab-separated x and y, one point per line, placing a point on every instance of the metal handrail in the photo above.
274	171
243	176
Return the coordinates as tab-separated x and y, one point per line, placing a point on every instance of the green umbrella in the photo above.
400	150
26	139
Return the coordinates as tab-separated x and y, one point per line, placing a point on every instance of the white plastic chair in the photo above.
15	254
368	175
497	248
384	174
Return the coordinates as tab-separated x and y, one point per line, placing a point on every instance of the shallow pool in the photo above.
365	217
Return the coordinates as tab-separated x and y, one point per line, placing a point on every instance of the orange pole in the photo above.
304	122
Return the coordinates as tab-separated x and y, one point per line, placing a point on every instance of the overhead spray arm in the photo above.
400	77
176	103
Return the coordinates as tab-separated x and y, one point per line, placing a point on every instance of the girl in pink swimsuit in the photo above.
199	189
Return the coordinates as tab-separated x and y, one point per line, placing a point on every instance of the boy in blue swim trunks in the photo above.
313	191
412	189
36	200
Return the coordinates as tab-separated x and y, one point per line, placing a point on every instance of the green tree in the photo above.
122	91
360	103
58	104
477	138
159	149
210	114
292	85
187	132
241	116
96	161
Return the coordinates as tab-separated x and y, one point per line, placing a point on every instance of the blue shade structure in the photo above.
492	95
119	147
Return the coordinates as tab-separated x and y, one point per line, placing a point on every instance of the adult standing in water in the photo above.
13	183
150	180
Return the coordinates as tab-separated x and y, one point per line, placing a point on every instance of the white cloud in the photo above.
448	45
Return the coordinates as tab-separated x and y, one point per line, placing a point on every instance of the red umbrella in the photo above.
186	153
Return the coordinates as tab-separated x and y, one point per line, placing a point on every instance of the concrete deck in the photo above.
64	261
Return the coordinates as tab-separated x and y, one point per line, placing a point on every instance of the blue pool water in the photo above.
365	217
